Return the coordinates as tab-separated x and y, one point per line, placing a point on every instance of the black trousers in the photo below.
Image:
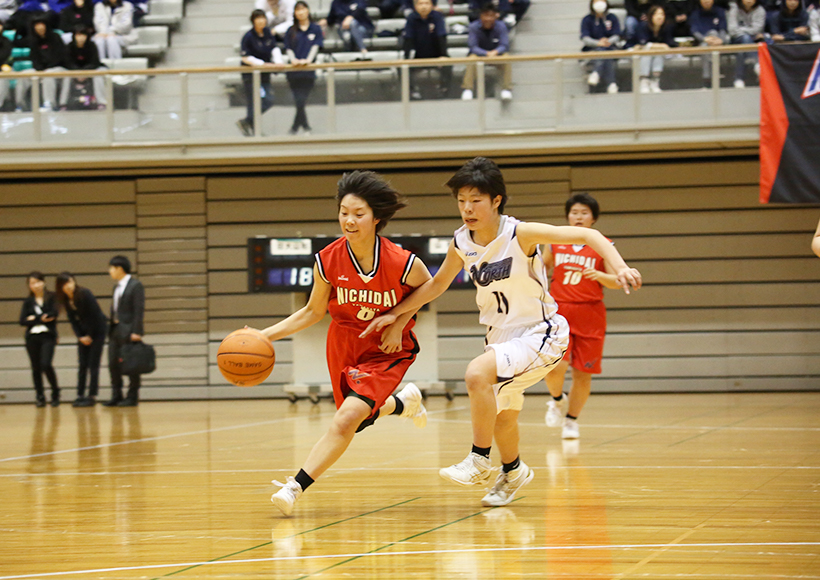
114	347
301	87
89	358
40	348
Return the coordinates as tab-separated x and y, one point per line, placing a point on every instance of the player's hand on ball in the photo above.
629	277
378	323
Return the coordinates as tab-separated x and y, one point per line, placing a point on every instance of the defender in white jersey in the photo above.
525	335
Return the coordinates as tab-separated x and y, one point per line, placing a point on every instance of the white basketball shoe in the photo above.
287	496
411	397
474	469
570	430
556	411
507	484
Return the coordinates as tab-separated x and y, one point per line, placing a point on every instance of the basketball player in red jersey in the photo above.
355	278
578	277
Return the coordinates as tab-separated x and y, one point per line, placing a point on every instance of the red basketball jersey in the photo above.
568	283
356	296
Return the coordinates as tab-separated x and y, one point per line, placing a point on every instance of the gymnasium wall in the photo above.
730	300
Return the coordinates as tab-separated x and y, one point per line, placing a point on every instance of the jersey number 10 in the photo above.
572	277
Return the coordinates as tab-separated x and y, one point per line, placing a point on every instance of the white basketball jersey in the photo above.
511	286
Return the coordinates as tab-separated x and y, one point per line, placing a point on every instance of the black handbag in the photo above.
137	358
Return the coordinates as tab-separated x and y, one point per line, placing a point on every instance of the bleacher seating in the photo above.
164	13
152	42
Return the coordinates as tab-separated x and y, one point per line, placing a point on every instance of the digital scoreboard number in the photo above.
286	264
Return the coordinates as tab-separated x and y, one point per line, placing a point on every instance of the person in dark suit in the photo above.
39	315
127	310
89	324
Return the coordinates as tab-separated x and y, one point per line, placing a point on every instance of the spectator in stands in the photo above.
5	66
601	31
654	34
79	12
82	54
425	36
302	43
114	26
47	54
637	11
791	23
279	14
488	38
354	25
257	49
511	11
677	12
708	24
22	20
404	8
745	23
39	316
814	25
7	8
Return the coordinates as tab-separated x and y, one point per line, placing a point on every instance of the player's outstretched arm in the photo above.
815	243
308	315
531	234
392	333
427	292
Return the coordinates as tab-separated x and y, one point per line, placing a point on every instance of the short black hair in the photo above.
259	14
482	174
122	262
584	199
375	191
488	7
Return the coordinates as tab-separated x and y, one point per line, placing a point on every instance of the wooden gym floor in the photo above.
659	486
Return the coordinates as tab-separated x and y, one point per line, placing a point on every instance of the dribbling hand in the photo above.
378	323
629	277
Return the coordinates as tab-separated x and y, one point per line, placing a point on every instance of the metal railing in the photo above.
478	119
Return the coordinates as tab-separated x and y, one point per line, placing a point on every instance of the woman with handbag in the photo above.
89	324
39	315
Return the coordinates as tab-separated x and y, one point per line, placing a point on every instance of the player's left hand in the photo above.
378	323
592	274
628	277
391	339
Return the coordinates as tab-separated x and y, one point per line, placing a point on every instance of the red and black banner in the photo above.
789	123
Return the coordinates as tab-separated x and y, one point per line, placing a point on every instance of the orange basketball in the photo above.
245	357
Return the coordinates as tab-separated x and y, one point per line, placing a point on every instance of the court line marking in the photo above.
337	564
403	469
593	547
291	536
657	553
184	434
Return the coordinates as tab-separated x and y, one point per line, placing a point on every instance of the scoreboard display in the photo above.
286	264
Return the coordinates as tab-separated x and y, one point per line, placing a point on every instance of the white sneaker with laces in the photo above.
466	95
411	397
740	84
474	469
593	79
655	86
612	88
556	411
506	95
506	485
570	430
287	496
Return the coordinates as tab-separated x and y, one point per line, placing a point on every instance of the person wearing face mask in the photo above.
745	23
601	31
355	278
39	316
